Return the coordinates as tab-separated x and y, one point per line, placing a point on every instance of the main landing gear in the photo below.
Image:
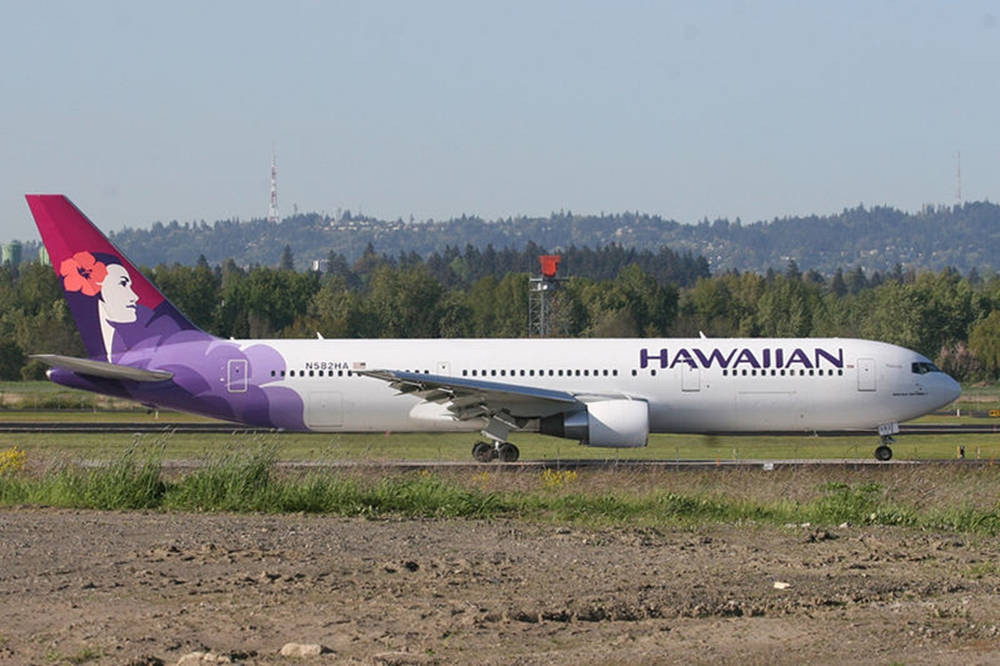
488	452
498	430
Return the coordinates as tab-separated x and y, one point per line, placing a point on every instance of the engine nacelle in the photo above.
616	424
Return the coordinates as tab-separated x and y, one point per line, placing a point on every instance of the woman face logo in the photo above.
117	296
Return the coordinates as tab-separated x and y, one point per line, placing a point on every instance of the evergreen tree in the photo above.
287	262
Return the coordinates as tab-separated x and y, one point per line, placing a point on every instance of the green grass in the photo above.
956	499
433	447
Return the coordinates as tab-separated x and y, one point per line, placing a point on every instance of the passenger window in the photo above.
634	373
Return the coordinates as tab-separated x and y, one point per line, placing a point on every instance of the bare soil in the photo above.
146	588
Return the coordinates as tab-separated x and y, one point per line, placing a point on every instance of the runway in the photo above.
41	427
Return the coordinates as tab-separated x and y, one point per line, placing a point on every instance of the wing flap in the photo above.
86	366
473	398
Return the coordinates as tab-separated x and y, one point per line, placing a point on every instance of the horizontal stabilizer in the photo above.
86	366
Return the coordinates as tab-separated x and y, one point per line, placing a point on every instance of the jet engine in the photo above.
613	423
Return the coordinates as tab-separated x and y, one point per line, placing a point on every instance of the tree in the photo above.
287	262
837	285
404	303
984	342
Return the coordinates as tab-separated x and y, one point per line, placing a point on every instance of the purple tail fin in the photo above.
115	307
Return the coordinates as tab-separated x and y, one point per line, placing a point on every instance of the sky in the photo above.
144	112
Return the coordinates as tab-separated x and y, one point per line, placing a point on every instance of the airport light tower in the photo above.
543	299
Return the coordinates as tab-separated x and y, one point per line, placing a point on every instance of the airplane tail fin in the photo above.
115	307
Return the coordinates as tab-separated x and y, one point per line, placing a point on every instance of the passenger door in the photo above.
866	374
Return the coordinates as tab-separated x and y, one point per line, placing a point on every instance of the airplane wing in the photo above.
86	366
474	398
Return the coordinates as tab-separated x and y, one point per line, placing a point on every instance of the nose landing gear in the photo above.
883	452
885	432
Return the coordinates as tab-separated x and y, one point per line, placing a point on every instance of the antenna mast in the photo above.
272	210
958	177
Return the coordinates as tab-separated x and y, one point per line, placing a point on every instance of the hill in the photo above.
878	238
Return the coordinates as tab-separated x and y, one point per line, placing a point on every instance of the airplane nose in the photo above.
952	389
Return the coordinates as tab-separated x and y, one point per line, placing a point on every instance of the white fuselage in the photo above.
691	385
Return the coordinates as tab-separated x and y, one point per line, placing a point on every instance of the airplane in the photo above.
600	392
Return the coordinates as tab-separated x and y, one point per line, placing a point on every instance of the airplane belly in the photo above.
376	409
771	410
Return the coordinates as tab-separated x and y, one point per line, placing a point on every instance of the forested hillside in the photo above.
875	239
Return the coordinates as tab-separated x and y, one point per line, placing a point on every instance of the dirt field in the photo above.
118	588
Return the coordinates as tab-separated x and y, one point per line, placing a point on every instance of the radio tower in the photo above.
958	177
272	210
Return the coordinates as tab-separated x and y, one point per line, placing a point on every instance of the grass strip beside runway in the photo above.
240	480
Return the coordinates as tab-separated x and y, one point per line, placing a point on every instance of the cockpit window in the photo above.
923	367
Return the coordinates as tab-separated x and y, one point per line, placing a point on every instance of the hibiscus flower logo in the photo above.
83	273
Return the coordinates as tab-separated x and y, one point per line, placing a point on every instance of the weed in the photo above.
12	460
230	481
984	569
558	478
84	655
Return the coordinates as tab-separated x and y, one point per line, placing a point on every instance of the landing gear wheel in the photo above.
883	453
508	452
483	452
